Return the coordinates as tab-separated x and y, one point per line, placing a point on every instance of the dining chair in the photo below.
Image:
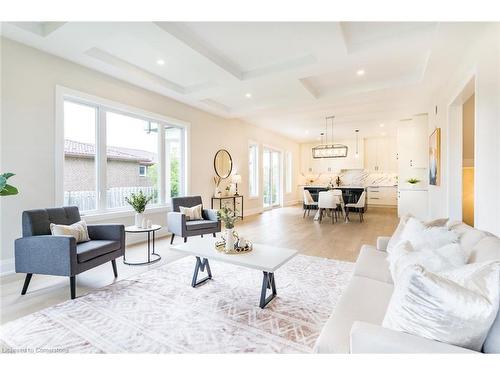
359	206
327	200
309	203
339	193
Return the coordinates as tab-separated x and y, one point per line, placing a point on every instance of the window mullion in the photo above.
101	158
161	164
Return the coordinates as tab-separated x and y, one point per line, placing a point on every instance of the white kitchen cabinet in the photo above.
382	195
381	155
414	202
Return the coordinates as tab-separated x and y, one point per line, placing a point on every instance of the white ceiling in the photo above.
296	73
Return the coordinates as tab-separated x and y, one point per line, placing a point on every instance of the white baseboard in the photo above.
7	267
253	211
291	203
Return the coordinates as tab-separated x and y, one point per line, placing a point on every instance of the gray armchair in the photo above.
38	252
178	225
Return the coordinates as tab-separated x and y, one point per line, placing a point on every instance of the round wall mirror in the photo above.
223	164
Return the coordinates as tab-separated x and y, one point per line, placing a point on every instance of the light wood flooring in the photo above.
282	227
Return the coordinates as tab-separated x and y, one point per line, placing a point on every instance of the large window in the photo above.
253	171
80	171
110	153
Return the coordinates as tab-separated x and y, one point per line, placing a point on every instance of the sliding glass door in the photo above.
272	177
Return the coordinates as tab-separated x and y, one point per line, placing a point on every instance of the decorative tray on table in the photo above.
220	246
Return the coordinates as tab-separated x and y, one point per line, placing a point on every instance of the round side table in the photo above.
151	249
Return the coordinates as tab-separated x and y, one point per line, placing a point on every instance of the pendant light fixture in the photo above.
329	150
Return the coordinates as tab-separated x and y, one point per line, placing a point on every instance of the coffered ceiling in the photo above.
282	76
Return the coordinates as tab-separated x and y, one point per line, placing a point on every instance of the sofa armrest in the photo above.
48	255
371	338
176	223
209	214
113	232
382	243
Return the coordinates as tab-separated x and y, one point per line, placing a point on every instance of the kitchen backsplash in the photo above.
354	177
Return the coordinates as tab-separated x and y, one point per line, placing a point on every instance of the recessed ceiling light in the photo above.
360	72
160	62
381	125
248	95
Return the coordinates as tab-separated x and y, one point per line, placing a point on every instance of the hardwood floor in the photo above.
283	227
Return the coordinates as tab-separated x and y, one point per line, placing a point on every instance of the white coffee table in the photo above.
263	258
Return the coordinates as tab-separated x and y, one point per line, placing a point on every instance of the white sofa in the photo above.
355	326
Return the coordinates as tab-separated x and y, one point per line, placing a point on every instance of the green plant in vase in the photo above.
228	217
139	202
5	188
413	181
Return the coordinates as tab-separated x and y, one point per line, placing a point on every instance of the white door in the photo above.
272	178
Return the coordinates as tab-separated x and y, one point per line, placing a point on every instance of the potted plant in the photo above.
228	218
5	188
139	202
413	181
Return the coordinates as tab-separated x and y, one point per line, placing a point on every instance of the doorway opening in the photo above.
271	165
462	150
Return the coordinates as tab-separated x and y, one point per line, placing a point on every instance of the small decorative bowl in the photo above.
220	246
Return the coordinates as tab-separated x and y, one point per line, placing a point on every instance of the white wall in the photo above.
28	80
481	61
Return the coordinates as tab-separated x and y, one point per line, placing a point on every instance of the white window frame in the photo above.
288	172
255	172
102	105
145	168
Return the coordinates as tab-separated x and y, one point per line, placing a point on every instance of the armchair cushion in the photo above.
93	249
201	224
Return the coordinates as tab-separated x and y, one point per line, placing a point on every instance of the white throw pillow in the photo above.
445	258
456	307
423	237
192	213
78	230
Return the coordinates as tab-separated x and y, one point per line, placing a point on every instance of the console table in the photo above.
232	198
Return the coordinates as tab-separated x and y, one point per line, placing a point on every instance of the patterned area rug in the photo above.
159	312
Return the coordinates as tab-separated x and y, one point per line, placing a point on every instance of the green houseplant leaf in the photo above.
6	189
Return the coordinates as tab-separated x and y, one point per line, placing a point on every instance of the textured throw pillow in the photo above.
396	237
456	307
423	237
78	230
447	257
192	213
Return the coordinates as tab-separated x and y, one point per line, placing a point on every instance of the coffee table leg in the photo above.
200	266
267	283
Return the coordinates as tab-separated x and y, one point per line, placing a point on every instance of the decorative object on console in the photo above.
139	202
329	150
5	188
435	157
217	191
236	179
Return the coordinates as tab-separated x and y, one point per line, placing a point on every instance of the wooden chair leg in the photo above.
213	234
333	216
26	283
320	215
185	239
115	271
72	286
304	215
172	239
202	236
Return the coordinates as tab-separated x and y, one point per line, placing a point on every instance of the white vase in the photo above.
229	239
139	217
